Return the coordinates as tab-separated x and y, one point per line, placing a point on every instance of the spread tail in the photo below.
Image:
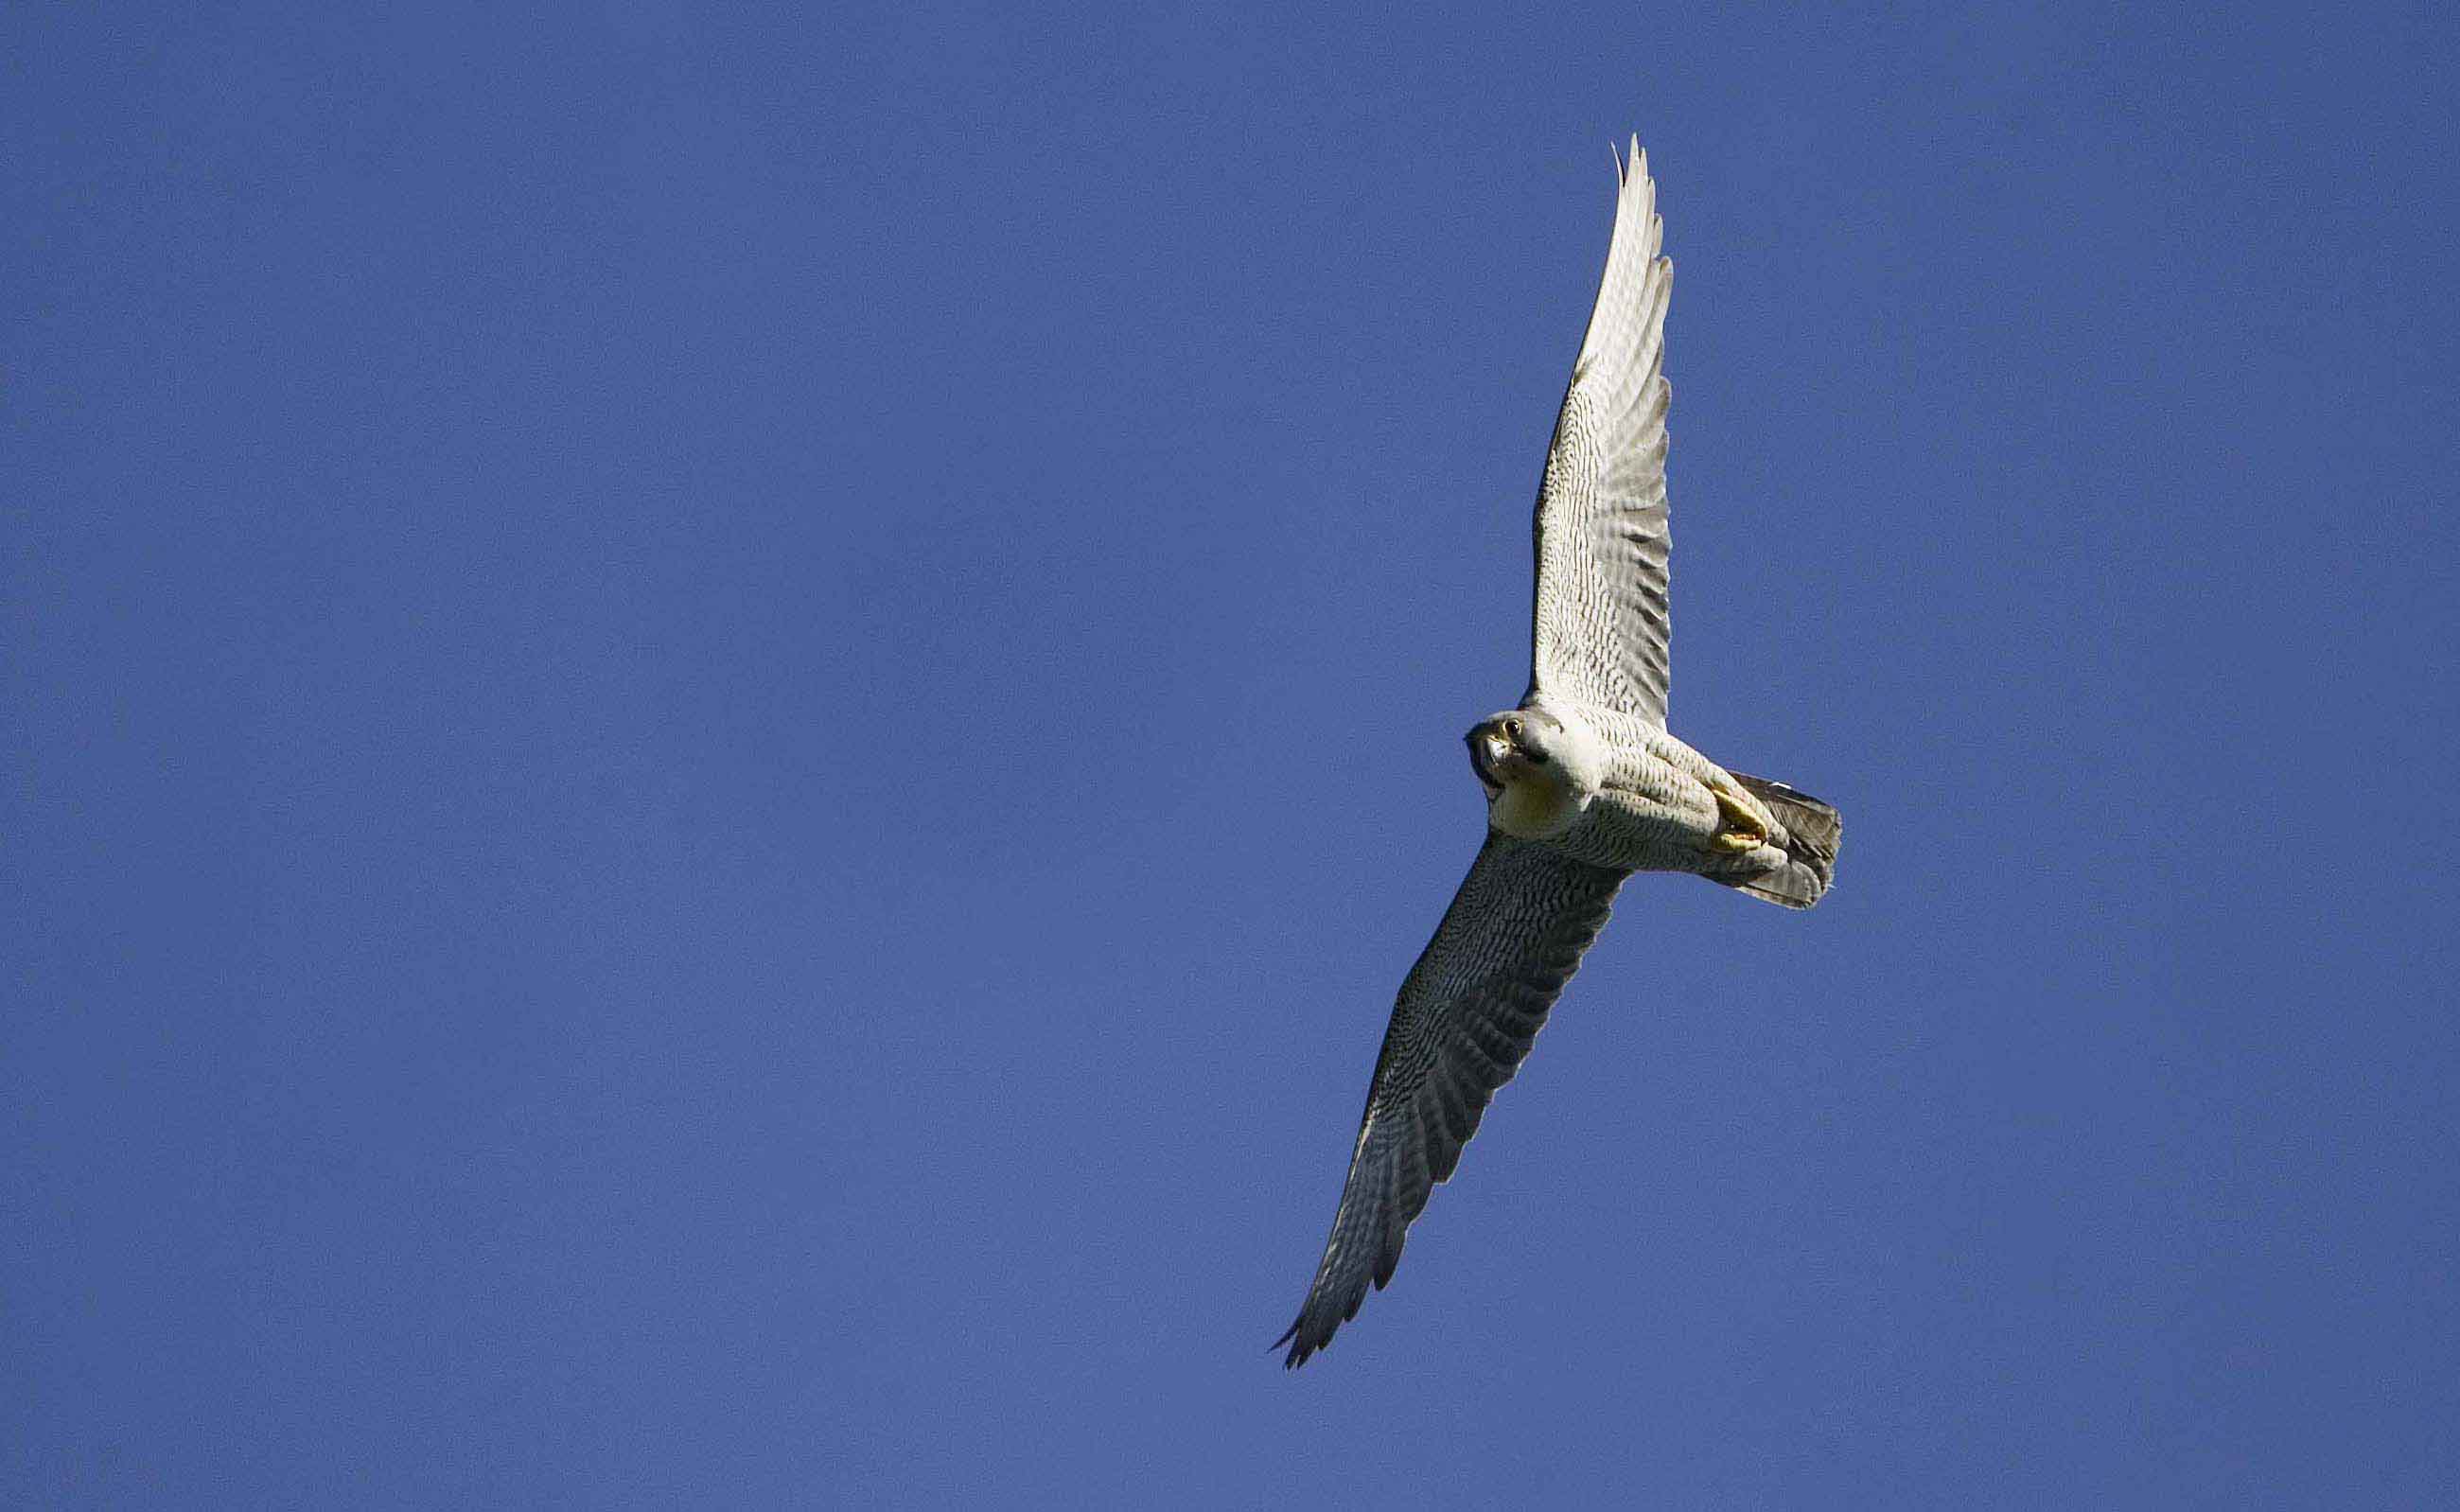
1811	829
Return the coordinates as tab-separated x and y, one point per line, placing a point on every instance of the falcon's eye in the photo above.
1511	728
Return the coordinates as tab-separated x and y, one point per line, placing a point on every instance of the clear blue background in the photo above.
726	726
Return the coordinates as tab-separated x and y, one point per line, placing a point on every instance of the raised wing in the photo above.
1600	634
1465	1020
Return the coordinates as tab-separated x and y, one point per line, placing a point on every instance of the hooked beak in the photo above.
1487	749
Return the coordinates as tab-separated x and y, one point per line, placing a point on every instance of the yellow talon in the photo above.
1738	828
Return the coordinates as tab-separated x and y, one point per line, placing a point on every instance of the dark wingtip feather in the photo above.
1300	1350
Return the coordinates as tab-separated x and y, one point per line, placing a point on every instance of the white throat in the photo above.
1534	808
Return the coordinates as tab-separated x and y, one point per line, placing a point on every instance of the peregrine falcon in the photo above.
1583	787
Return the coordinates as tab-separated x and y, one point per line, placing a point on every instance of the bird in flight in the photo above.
1583	787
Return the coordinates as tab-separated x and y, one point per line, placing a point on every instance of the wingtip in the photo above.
1299	1351
1631	163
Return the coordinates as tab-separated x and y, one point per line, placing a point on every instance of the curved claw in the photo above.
1739	827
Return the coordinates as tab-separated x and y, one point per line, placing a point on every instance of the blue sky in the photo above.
728	725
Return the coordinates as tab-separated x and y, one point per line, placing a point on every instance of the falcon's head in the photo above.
1510	747
1527	761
